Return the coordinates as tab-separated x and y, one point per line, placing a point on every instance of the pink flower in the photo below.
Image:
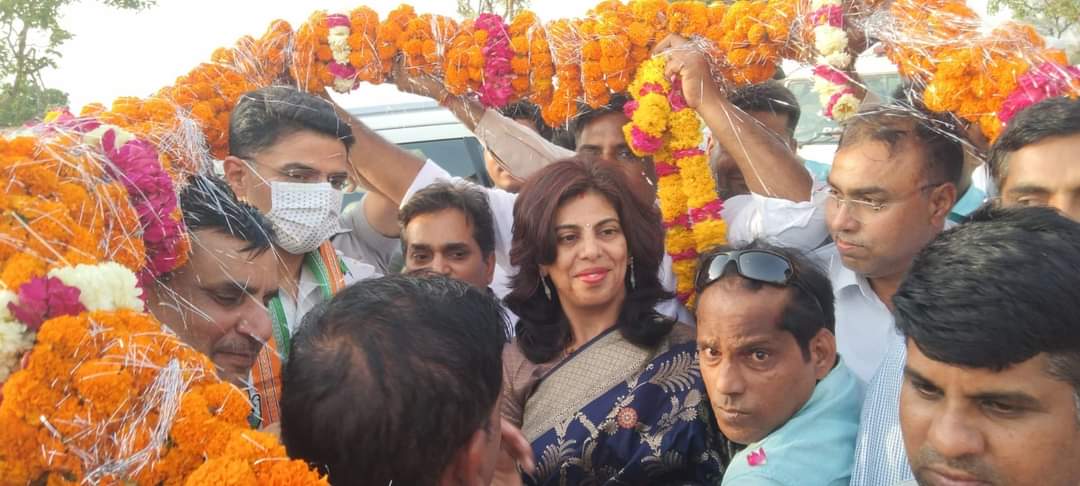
42	299
651	88
665	169
497	88
675	97
344	71
710	210
831	15
690	152
680	221
831	74
756	458
1047	80
337	20
136	164
630	107
644	142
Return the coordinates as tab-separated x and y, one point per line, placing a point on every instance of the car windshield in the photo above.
461	157
814	128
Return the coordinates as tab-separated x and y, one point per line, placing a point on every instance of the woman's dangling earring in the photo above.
547	290
633	279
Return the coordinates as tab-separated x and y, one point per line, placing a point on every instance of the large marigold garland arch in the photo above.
89	216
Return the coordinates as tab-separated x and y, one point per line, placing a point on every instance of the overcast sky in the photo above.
116	53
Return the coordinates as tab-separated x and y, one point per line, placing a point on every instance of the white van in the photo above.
429	131
816	134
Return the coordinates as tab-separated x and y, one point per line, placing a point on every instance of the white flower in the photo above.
6	296
816	4
103	287
846	106
343	85
339	44
829	39
826	89
14	341
840	60
93	137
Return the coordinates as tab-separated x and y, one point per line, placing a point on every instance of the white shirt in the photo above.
749	217
864	325
365	253
310	293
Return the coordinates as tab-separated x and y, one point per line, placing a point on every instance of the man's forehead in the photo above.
729	308
876	164
1048	165
605	128
1031	377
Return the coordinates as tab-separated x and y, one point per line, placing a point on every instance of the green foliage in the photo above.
506	8
1053	18
30	39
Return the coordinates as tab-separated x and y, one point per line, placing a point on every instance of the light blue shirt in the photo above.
814	447
880	457
968	203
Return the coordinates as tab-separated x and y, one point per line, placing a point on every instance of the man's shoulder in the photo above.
357	270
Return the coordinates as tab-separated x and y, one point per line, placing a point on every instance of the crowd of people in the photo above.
867	322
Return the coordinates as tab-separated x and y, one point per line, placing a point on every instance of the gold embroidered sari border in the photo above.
576	383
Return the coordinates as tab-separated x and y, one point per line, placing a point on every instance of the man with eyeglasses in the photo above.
1030	163
892	185
290	158
768	359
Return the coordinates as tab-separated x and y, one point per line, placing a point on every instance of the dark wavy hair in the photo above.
543	330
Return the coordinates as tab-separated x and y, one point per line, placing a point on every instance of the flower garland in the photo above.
136	164
1047	80
363	52
593	82
662	125
496	89
337	38
424	42
464	67
63	291
838	98
520	30
975	81
106	397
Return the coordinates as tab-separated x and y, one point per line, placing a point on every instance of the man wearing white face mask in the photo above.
289	157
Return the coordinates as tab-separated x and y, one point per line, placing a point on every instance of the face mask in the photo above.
304	215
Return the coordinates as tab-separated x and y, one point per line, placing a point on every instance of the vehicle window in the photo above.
814	127
461	157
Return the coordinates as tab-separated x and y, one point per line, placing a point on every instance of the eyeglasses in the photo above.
864	208
759	265
306	175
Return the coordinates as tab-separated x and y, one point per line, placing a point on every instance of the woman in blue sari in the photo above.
605	389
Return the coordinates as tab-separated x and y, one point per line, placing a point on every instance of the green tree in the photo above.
30	38
1053	18
506	8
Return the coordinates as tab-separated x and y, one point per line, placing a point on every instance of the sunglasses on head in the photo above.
760	265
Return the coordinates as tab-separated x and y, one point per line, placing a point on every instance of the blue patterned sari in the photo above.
616	413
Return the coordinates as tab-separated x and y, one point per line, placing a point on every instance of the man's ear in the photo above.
466	468
489	261
236	174
823	352
942	200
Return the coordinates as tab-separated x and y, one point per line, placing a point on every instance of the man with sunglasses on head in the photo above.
768	358
289	156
